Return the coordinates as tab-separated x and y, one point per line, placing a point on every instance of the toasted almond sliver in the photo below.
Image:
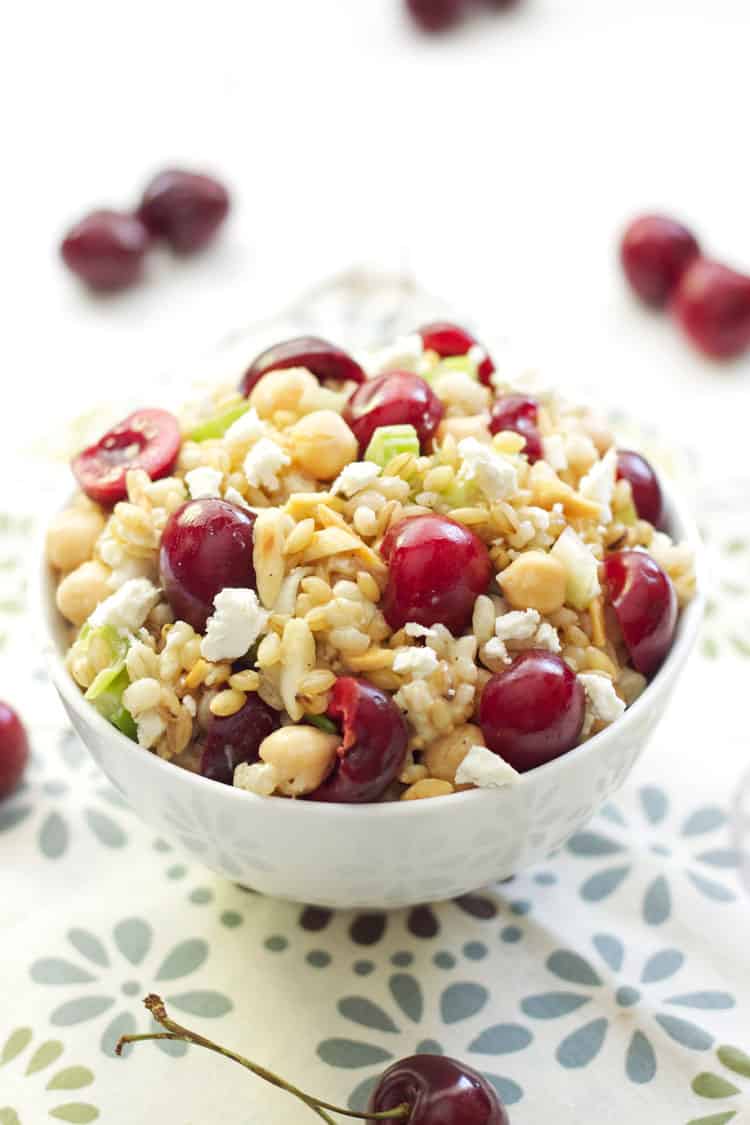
268	553
374	660
598	631
331	541
297	659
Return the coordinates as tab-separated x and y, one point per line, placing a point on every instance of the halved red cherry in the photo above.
206	546
644	485
519	413
712	304
323	359
14	750
436	570
436	15
148	440
655	252
236	738
449	340
439	1091
106	249
533	712
645	604
397	398
373	744
184	208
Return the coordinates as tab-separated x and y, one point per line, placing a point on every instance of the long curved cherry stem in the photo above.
176	1031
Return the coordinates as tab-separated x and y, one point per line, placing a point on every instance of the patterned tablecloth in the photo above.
614	980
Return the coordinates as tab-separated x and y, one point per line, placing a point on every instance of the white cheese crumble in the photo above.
403	354
236	623
203	482
190	705
355	477
517	625
128	607
263	463
554	452
599	484
486	770
260	778
477	354
494	473
604	702
246	427
414	629
520	625
417	662
233	496
151	727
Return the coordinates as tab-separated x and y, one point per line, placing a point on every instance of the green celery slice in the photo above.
106	695
216	427
322	722
388	441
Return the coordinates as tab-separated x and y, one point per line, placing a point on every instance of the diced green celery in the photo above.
388	441
217	426
322	722
106	695
452	363
581	568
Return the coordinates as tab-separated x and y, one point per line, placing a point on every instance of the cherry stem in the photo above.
176	1031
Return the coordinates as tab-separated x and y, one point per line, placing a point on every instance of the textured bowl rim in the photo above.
687	632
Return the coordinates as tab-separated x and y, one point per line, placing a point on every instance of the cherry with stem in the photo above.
176	1031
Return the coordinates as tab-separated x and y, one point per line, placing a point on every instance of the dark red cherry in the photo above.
644	484
397	398
436	570
324	360
645	603
655	252
236	738
519	414
373	743
106	249
450	340
436	15
148	439
712	304
14	750
533	712
440	1091
206	546
184	208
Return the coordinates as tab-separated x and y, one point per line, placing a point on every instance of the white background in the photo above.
499	163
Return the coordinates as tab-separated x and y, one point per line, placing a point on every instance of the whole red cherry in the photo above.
436	15
396	398
644	485
184	208
655	252
439	1091
436	570
323	359
14	750
519	413
645	603
449	340
712	304
106	249
373	743
236	738
533	712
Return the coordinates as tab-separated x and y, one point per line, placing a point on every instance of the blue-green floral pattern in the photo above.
36	1065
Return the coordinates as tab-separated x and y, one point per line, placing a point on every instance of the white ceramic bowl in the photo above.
383	855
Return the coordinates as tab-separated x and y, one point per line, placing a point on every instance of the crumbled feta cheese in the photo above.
604	701
247	427
151	727
263	463
413	629
259	778
419	663
355	477
486	770
233	496
599	483
494	473
547	637
203	482
236	623
554	452
520	625
402	355
477	354
190	705
128	607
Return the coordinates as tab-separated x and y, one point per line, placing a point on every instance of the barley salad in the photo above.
388	577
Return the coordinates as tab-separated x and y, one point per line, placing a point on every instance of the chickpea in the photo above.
322	444
476	426
301	756
534	581
443	756
282	391
80	592
429	787
71	536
